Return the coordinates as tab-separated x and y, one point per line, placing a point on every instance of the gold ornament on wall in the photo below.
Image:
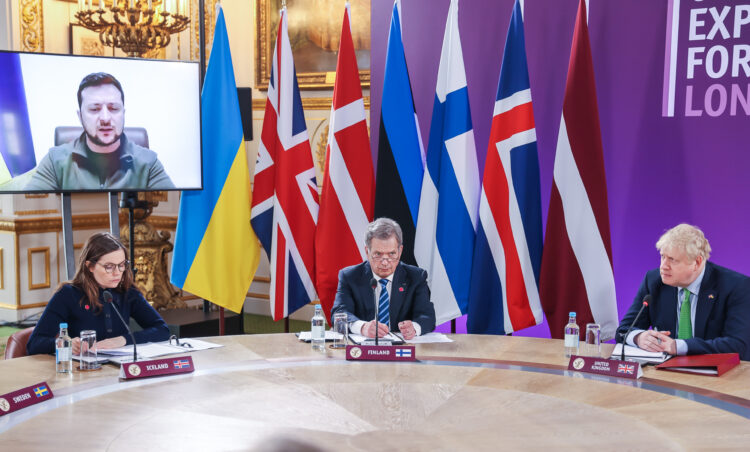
32	29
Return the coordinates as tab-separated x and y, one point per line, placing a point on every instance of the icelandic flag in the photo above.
285	193
348	192
16	145
398	182
447	220
216	252
180	363
508	252
577	272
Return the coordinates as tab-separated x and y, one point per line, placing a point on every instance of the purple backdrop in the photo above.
660	171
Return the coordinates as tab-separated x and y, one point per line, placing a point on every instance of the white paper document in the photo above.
430	338
154	349
639	354
306	336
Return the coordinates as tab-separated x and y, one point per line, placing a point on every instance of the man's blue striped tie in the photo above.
384	315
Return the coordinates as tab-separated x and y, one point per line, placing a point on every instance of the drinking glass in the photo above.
593	346
340	326
88	351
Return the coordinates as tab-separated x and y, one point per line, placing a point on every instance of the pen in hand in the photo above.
657	337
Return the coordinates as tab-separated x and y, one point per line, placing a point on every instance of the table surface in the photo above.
272	392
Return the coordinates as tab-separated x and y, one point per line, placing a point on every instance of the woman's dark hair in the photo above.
97	246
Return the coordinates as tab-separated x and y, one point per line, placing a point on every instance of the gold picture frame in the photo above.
314	31
86	42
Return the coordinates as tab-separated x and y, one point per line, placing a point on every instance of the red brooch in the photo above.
400	289
86	307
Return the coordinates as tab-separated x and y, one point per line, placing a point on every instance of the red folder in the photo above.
713	364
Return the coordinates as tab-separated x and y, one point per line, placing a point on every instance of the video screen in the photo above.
91	124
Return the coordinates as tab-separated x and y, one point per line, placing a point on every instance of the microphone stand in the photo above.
108	299
374	284
646	300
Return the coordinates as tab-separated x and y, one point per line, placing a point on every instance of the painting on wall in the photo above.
314	33
86	42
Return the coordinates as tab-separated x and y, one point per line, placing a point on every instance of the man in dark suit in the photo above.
401	291
696	306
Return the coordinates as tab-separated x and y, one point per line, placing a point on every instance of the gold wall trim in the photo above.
24	306
36	212
86	221
209	9
262	296
308	103
262	279
46	283
32	25
2	268
36	195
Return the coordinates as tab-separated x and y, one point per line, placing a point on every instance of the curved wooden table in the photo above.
271	392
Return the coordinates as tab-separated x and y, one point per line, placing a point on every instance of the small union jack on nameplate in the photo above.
380	353
156	367
602	366
30	395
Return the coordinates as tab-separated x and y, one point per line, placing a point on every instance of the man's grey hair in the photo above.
383	229
687	238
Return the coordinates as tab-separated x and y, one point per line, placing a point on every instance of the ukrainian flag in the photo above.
216	252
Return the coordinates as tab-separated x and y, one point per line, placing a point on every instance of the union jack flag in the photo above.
403	352
180	363
626	369
285	193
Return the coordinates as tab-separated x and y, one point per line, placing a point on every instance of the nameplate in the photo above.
603	366
156	367
380	353
31	395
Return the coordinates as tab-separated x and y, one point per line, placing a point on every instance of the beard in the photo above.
94	139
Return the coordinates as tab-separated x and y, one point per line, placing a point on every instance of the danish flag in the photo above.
348	192
285	193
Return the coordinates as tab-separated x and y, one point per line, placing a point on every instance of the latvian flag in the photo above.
508	251
577	265
285	194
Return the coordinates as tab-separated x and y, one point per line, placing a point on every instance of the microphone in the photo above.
108	299
374	285
646	301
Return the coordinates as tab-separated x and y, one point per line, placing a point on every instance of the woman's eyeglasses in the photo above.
110	268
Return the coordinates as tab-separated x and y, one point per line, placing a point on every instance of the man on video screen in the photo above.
102	157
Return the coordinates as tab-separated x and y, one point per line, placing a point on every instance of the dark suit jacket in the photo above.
722	316
410	296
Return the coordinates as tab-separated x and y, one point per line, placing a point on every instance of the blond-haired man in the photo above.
696	306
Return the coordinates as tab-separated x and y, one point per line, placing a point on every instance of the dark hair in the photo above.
97	246
98	79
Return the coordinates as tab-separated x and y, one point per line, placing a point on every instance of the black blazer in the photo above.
722	316
410	296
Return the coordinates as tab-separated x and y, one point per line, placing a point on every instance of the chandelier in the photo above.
135	26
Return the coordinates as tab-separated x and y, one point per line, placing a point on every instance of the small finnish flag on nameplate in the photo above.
403	352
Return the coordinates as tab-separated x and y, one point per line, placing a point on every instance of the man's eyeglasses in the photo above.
109	268
382	257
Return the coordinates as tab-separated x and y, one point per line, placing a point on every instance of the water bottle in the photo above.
318	330
571	336
63	351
